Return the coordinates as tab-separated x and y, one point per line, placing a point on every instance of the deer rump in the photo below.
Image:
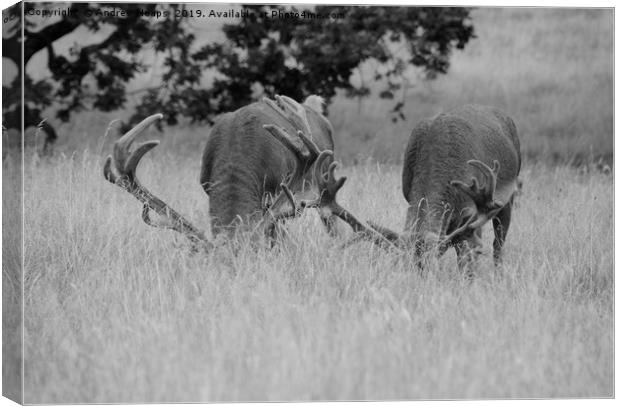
242	162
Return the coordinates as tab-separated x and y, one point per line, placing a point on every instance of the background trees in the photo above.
261	55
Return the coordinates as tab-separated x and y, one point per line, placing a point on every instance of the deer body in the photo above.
242	162
248	154
437	155
460	171
437	161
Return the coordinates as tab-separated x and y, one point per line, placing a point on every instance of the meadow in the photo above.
116	311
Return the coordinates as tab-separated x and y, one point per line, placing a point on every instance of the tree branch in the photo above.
35	41
12	49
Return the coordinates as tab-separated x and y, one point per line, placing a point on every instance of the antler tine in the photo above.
136	156
295	109
108	173
489	174
309	143
126	140
121	152
331	171
295	209
320	163
446	240
483	195
291	111
330	177
286	103
327	179
289	194
293	144
275	107
122	160
120	169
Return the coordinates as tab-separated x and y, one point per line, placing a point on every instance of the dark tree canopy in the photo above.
294	56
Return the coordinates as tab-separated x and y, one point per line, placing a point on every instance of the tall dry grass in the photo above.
12	273
116	311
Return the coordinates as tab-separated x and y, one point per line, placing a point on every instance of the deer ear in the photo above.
316	103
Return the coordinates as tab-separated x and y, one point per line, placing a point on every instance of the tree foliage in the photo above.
263	54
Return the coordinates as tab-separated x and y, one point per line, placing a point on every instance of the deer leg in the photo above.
274	233
329	221
467	252
420	260
501	222
464	258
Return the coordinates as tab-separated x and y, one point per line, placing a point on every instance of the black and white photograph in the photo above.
226	202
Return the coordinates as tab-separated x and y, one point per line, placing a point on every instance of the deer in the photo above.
252	166
460	172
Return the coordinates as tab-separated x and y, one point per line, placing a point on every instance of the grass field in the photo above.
116	311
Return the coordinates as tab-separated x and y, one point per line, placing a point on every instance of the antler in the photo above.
483	196
328	188
120	169
291	111
303	148
306	153
469	223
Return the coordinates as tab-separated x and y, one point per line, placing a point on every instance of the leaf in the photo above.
295	57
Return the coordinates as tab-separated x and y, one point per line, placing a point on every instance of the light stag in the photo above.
248	156
460	172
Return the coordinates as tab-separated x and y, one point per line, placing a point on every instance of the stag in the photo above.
250	157
460	172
